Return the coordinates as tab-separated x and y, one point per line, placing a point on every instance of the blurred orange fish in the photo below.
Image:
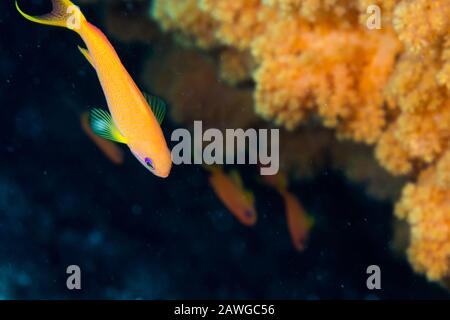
110	149
230	190
299	222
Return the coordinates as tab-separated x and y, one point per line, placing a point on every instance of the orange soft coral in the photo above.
421	24
343	85
426	207
332	11
238	21
443	76
417	91
307	61
236	66
391	155
186	20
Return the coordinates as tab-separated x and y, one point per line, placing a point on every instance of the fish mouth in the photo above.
250	217
158	173
163	175
165	172
248	214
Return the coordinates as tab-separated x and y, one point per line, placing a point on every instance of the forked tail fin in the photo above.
64	14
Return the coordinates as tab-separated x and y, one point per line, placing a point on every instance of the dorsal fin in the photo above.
157	105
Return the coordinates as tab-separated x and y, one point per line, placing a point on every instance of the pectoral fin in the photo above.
310	221
249	196
103	125
86	54
157	105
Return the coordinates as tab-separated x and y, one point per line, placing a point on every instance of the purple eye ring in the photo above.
149	163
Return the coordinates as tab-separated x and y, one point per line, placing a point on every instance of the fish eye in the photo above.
248	213
149	163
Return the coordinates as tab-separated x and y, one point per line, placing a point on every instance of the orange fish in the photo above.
299	222
135	118
230	190
110	149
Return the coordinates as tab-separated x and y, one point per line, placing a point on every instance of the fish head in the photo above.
248	215
157	160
